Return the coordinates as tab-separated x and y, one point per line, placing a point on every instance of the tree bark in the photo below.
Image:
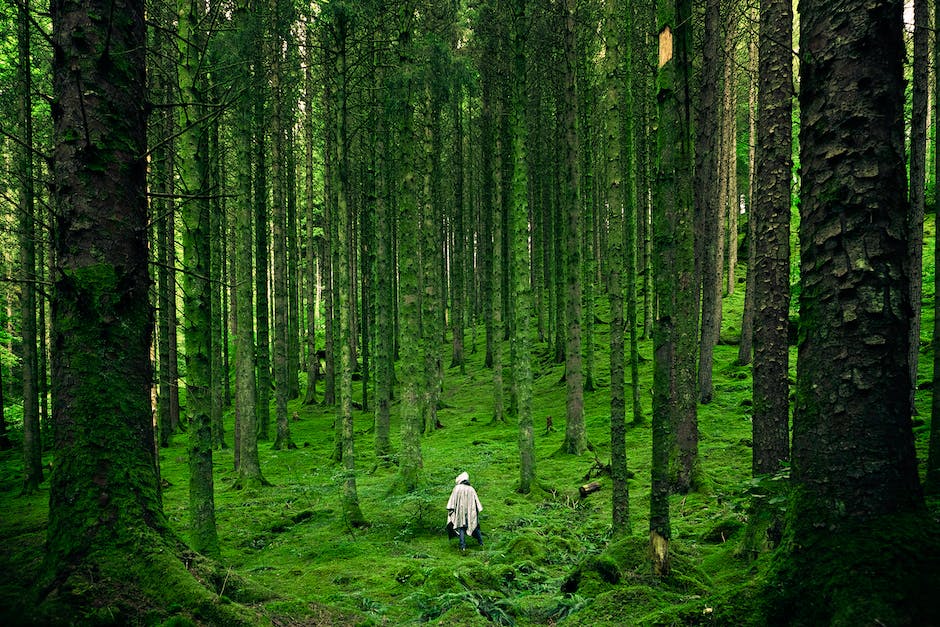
617	180
771	274
193	144
707	205
854	468
575	441
32	439
918	174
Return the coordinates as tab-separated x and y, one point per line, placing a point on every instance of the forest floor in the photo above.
550	557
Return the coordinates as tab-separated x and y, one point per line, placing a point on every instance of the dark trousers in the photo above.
462	534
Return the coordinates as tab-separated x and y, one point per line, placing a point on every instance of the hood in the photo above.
462	477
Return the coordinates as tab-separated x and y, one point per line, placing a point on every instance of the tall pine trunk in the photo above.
854	467
193	144
771	273
575	437
32	439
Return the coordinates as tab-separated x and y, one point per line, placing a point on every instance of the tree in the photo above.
520	258
248	464
918	174
193	144
708	220
932	481
279	230
674	329
618	180
105	519
771	216
32	440
575	437
745	346
856	504
410	463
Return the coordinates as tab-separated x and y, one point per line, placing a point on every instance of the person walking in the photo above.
463	509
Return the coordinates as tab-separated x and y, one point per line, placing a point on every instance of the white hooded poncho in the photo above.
463	506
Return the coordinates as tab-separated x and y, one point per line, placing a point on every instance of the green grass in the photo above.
549	557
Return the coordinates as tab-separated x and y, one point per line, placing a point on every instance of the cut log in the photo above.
589	488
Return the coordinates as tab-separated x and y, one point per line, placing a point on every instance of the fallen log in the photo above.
589	488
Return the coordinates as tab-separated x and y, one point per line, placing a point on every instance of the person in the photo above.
463	509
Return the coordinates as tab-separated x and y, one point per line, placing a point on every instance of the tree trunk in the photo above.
410	461
932	479
771	274
313	361
385	268
105	519
747	321
707	198
575	441
617	180
282	439
32	439
854	468
262	54
248	465
918	174
193	143
520	234
674	330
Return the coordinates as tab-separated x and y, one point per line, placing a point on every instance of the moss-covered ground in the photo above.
550	557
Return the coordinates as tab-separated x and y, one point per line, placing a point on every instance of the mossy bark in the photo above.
520	275
410	461
674	429
32	438
575	441
708	222
856	521
932	482
105	515
193	146
771	273
616	200
248	464
279	232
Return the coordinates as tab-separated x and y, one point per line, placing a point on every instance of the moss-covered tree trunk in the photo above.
32	439
520	234
707	212
771	274
310	246
932	479
614	100
745	345
644	97
575	441
279	230
106	524
674	334
458	256
857	504
918	181
412	379
262	49
216	283
193	167
248	465
384	269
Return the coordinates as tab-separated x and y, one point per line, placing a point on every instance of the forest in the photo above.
658	275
